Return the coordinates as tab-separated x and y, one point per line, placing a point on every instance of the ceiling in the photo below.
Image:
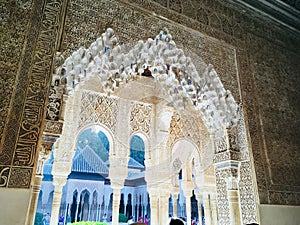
284	12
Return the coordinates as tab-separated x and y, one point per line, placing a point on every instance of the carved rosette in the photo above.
140	117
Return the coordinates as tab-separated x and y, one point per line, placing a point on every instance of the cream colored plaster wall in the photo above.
279	215
13	206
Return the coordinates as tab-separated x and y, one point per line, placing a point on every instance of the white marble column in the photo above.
233	200
58	183
199	200
207	211
163	212
66	211
174	202
125	203
187	187
214	209
45	152
116	205
154	208
77	207
34	199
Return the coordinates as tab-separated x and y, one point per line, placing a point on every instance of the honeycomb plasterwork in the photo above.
98	108
163	61
140	117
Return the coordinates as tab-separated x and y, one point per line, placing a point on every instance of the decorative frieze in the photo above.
226	156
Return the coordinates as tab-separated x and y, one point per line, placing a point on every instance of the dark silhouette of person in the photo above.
176	222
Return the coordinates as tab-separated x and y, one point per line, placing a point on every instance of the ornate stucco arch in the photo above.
106	66
115	65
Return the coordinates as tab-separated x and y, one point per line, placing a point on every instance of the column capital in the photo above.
116	184
187	187
59	181
44	154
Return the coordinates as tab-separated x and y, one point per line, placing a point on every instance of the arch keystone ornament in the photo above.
185	88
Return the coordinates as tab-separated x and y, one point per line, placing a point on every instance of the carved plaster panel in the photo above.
53	127
140	117
247	194
185	126
98	108
222	200
54	103
20	177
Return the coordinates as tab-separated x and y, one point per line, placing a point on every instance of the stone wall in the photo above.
258	62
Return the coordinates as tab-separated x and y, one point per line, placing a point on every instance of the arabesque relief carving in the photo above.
140	117
98	108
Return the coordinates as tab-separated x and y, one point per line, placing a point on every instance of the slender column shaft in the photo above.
174	201
200	212
66	212
163	209
34	199
207	212
125	206
116	205
56	205
76	213
154	209
188	210
214	210
89	212
234	209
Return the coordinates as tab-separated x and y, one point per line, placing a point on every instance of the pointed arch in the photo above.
146	143
98	127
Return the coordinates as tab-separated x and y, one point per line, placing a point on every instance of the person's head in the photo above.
176	221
